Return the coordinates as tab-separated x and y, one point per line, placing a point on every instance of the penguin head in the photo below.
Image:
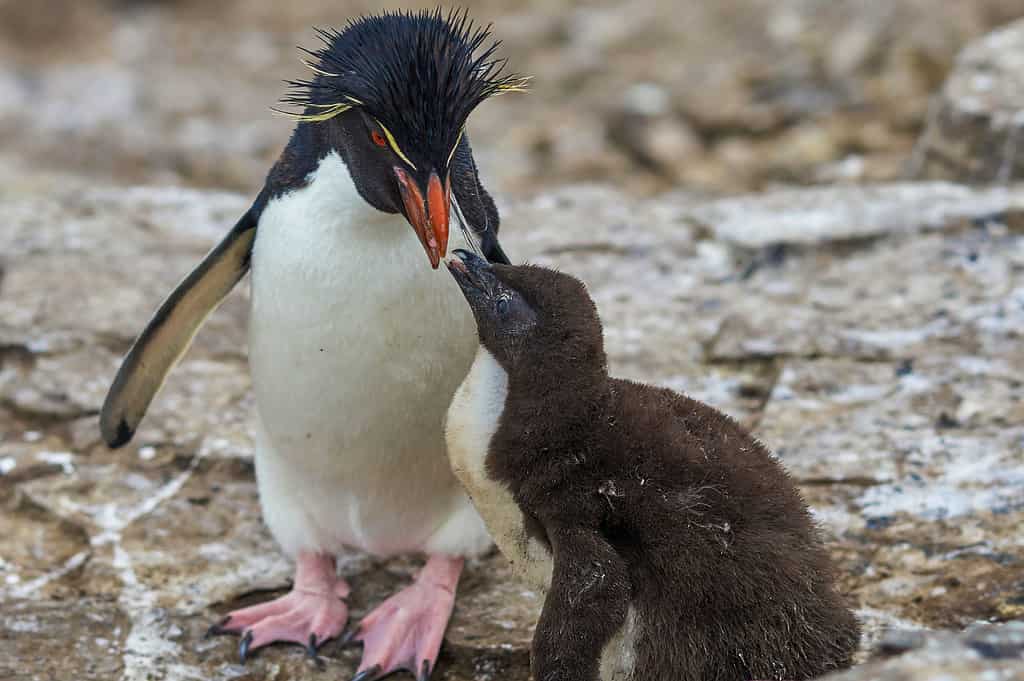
393	92
531	318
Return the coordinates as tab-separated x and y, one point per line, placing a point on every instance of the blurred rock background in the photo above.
718	96
804	212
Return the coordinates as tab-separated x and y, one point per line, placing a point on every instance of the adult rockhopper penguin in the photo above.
671	545
356	345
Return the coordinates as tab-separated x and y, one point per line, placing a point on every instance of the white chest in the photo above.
475	413
356	346
473	419
325	256
352	333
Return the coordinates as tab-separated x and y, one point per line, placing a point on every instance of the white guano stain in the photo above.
63	459
146	638
21	590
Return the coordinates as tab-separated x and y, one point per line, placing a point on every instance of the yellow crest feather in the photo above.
329	112
394	145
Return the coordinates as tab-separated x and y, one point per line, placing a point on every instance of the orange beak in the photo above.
428	217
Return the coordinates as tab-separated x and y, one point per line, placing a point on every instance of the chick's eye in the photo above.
378	139
503	306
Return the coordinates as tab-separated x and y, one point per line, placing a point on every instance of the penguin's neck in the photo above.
475	412
567	387
523	414
321	233
474	418
329	194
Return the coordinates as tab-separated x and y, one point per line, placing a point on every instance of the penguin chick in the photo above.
671	545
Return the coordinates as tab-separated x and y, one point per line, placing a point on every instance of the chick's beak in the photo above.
428	216
469	269
474	276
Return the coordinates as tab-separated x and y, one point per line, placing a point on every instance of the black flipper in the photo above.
585	607
169	333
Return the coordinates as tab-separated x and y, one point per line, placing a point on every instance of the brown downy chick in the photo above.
670	543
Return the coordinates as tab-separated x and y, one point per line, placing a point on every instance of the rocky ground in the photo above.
871	335
729	95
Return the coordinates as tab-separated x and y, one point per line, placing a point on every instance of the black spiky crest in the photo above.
420	74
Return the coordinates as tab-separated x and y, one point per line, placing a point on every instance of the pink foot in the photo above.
405	631
309	615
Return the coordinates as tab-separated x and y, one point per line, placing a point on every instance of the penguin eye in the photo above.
378	139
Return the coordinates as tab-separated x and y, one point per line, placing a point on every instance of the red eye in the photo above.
378	139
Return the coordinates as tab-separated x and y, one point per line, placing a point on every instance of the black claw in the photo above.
367	674
311	647
217	628
243	647
425	670
349	638
311	652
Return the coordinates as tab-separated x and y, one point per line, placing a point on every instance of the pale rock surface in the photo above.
975	129
871	336
984	652
879	358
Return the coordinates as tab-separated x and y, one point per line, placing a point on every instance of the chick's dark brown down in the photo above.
656	507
